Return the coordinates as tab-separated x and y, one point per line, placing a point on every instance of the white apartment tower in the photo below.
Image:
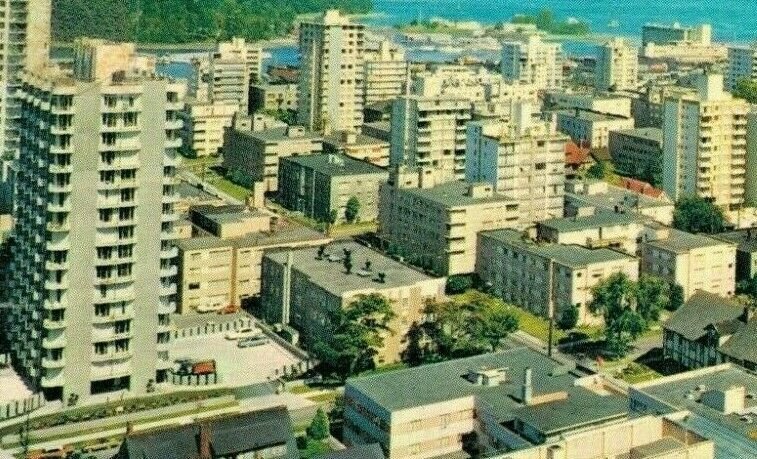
331	73
617	66
386	73
92	274
523	159
533	62
704	144
430	132
742	65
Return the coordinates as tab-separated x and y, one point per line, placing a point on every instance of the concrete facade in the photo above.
617	66
204	126
273	97
590	128
386	73
637	152
533	62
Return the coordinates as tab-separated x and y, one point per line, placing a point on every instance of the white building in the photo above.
704	144
617	66
331	73
524	160
430	131
386	73
533	62
94	208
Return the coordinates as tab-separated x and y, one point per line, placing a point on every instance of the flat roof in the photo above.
569	255
590	115
337	165
445	381
683	242
186	190
279	236
280	134
598	220
648	133
454	194
745	238
338	140
227	213
329	273
683	392
617	196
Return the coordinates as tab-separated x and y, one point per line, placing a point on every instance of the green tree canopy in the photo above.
356	334
676	299
746	89
615	299
597	170
319	427
652	297
352	209
568	318
698	215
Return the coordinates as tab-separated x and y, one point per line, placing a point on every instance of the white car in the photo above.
206	308
247	332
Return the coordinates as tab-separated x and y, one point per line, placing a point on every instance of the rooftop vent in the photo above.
486	376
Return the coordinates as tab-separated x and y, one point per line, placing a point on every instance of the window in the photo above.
193	286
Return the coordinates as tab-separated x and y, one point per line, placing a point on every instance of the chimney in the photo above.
204	447
528	388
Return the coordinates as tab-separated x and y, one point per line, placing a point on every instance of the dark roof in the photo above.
228	436
372	451
743	343
745	238
702	310
336	165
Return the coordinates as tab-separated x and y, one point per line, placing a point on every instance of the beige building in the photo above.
257	153
742	65
522	271
95	59
358	146
301	286
590	197
205	124
217	272
606	103
386	73
511	400
616	230
273	97
617	66
637	152
705	145
435	226
533	61
590	128
694	262
430	132
331	73
224	76
229	221
524	160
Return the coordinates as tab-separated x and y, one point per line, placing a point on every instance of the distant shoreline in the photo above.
192	46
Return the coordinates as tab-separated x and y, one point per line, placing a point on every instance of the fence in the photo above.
194	380
212	328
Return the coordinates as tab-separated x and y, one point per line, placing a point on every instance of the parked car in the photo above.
252	342
206	308
194	367
247	332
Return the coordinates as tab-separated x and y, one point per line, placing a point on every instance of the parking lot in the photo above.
235	366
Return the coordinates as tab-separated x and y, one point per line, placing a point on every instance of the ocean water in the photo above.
732	20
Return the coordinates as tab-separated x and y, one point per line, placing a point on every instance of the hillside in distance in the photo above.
185	21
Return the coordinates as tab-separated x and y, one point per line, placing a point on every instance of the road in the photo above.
193	179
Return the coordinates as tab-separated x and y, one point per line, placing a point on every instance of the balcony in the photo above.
54	343
56	285
53	381
98	372
168	308
56	266
56	188
166	290
50	305
170	271
114	280
55	227
49	364
173	252
60	169
113	317
111	356
173	143
59	207
54	324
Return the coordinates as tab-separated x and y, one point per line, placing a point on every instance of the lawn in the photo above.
528	322
232	189
636	373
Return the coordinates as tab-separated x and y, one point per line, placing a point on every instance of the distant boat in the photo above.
614	24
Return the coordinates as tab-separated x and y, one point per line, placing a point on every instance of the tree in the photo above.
458	284
352	210
676	297
614	298
698	215
746	89
652	297
414	353
355	335
497	322
598	170
568	318
319	427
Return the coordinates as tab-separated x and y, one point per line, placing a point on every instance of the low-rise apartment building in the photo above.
301	286
512	400
589	197
637	152
228	221
709	330
359	146
616	230
591	128
435	226
257	153
746	252
318	185
273	97
547	278
215	272
695	262
607	103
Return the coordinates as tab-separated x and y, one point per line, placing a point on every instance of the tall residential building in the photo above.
24	44
250	53
92	280
524	161
533	62
386	73
430	131
670	34
742	65
617	66
704	144
331	73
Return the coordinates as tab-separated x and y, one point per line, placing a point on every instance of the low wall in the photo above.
212	328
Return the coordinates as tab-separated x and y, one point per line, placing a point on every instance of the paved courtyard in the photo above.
235	366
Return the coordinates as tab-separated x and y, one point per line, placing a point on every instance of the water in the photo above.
732	20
